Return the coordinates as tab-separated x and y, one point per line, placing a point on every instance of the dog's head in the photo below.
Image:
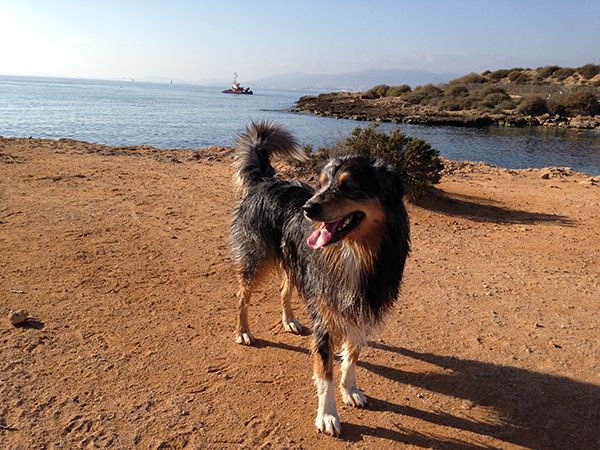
354	196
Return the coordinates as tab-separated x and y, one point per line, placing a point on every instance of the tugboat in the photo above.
236	88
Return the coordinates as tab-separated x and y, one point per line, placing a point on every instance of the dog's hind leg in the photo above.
351	394
290	323
327	420
242	331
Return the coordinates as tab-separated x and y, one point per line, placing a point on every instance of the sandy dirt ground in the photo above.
120	256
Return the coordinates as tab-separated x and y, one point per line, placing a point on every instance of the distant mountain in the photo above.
350	81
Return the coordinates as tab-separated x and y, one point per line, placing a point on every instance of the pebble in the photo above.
17	317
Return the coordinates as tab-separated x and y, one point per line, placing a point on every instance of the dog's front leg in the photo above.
351	394
328	420
290	323
242	332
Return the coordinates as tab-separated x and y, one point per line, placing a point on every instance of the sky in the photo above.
199	40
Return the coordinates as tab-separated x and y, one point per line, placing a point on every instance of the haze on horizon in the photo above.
195	40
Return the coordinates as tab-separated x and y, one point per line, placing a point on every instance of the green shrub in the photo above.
470	102
498	75
376	92
418	164
397	91
491	90
423	95
533	105
546	71
431	89
555	105
415	97
519	77
582	103
589	71
454	91
563	73
494	99
514	74
507	105
449	104
472	78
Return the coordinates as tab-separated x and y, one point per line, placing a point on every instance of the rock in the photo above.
17	317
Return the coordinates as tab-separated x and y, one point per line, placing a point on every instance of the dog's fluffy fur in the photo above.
342	246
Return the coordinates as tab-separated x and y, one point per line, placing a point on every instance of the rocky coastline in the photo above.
345	105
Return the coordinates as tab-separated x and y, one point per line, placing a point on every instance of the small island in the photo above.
547	96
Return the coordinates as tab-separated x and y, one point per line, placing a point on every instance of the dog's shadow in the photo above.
485	210
529	409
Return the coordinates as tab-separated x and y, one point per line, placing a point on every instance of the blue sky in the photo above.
195	40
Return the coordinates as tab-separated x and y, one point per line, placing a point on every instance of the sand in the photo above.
120	257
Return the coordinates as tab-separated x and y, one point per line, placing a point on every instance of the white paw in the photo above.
292	325
353	396
245	338
329	424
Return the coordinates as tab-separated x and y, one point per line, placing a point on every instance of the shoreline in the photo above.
176	155
394	110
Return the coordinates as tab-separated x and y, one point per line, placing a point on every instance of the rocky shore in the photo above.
345	105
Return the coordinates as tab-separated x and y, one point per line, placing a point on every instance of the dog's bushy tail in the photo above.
254	148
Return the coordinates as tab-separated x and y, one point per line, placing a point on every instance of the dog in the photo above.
342	246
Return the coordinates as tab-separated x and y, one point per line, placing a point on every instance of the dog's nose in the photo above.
312	210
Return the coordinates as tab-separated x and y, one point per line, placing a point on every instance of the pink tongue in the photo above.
323	235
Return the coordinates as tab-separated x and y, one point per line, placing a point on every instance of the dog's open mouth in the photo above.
332	232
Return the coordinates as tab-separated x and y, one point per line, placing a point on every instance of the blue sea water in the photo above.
192	116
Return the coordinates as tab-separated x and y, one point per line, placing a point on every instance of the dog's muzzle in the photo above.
312	210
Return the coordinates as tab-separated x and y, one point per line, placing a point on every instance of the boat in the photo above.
236	88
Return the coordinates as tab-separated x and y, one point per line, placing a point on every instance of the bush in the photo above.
494	99
555	105
589	71
498	75
470	102
582	103
491	90
519	77
546	71
397	91
454	91
533	105
507	105
418	164
423	95
563	73
472	78
376	92
415	97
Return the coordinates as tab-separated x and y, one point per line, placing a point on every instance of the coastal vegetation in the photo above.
546	90
548	96
419	165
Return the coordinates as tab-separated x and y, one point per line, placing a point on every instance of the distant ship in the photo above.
236	88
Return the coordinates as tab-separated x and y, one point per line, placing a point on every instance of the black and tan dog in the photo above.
343	247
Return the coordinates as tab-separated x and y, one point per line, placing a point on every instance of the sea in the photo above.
172	115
